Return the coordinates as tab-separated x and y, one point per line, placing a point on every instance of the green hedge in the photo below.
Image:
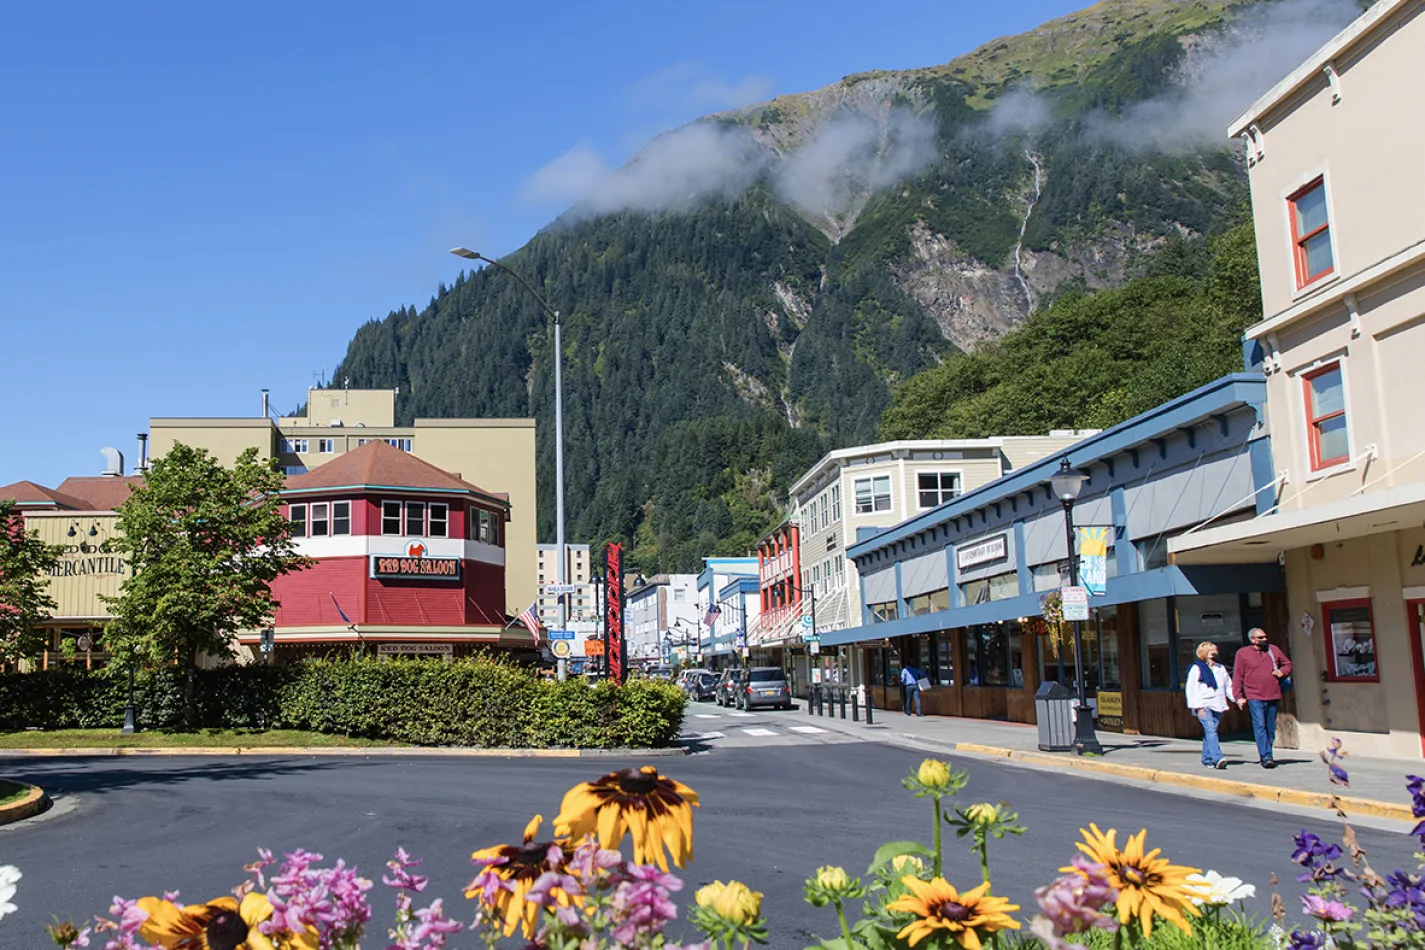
473	702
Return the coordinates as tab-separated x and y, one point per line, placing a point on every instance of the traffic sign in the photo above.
1076	603
806	621
560	588
561	634
560	648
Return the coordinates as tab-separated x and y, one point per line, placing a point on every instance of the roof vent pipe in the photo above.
264	404
143	452
113	460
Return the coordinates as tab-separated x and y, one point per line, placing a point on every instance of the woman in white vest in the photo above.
1209	690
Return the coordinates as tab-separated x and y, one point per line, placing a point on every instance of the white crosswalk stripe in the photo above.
707	715
759	732
743	715
808	730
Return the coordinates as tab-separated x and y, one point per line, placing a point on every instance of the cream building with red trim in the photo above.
1334	152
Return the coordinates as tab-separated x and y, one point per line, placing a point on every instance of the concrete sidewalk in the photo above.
1377	785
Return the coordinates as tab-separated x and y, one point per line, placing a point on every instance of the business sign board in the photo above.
415	563
994	548
1110	709
613	610
415	649
561	634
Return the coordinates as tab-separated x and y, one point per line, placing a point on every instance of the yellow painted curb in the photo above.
1206	783
346	751
30	805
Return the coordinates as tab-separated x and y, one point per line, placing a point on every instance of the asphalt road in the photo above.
770	815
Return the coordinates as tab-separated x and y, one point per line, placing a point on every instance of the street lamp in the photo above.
469	255
130	727
1067	483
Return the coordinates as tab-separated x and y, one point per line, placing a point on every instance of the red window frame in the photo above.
1313	433
1331	675
1298	240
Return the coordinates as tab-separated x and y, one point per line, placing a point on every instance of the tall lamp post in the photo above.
130	727
1067	483
560	664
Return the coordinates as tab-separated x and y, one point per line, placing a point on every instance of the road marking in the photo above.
704	737
707	715
743	715
809	730
760	733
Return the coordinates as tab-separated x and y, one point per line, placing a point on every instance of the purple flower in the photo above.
428	931
401	876
487	884
1406	893
328	901
640	906
1332	756
1074	903
126	929
1316	856
589	859
1307	940
1322	909
541	891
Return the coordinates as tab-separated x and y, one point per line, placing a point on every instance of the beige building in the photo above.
1334	153
495	454
852	492
582	603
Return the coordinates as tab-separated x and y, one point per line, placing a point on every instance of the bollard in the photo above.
811	698
843	702
855	708
821	702
869	706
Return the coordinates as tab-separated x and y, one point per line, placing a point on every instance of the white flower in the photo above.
9	879
1215	889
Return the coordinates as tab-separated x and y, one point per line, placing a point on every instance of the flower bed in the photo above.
575	889
471	702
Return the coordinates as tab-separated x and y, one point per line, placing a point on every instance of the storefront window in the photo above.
1004	586
875	663
1216	618
1050	576
996	655
880	613
975	592
929	603
1155	639
1352	654
1111	678
893	668
944	663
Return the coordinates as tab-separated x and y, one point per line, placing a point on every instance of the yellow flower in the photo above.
933	774
220	924
734	901
655	810
832	878
938	906
520	866
903	861
983	813
1146	883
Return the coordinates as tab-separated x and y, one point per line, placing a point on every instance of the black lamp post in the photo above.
1067	483
129	726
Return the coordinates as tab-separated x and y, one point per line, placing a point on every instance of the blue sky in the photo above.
201	200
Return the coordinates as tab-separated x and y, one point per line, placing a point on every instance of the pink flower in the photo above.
1073	904
401	876
589	859
125	930
539	891
1330	911
488	883
329	901
640	906
428	932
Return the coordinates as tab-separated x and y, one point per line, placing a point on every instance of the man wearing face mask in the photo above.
1257	674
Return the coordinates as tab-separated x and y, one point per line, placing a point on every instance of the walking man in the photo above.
910	683
1257	674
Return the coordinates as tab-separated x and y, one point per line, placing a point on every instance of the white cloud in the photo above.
853	155
568	179
687	90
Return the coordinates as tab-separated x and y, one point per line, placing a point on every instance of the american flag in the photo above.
530	619
711	617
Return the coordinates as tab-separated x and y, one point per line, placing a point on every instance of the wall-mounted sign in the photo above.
982	552
415	564
1076	602
415	649
1110	709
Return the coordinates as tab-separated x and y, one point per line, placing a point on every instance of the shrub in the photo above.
481	701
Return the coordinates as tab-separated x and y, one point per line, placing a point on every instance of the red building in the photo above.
779	571
408	559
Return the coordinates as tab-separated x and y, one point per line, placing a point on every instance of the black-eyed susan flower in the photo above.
221	924
965	917
511	871
656	811
1146	884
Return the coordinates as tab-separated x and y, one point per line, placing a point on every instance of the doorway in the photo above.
1415	623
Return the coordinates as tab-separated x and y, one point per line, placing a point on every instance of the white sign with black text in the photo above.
982	552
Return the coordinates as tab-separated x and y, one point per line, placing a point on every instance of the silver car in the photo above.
763	686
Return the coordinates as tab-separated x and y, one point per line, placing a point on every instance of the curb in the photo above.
1222	786
32	804
347	751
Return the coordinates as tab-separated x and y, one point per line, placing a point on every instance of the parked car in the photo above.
659	672
724	694
764	686
701	686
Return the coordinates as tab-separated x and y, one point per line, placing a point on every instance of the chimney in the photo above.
264	404
113	460
143	452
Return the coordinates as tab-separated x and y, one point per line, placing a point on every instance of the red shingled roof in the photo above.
100	492
27	494
378	465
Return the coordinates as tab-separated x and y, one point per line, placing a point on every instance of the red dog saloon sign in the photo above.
415	563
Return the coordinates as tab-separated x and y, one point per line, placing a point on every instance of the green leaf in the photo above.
894	849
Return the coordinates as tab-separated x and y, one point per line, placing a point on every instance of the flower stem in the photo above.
936	800
983	846
845	930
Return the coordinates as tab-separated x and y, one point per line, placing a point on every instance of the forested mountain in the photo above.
727	320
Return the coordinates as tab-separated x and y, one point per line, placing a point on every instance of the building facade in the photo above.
729	599
661	617
1340	234
582	605
959	590
483	451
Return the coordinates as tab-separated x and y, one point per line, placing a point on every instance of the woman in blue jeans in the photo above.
1209	690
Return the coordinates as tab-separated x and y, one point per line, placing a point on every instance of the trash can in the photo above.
1054	711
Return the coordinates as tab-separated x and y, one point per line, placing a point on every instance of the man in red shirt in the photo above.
1257	674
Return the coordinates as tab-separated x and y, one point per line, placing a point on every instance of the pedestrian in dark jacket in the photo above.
1257	674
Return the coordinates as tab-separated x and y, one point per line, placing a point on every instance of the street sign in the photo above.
816	647
560	588
806	621
1076	603
560	648
561	634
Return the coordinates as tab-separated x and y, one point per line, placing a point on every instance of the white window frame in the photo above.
326	446
400	518
444	510
321	514
825	510
337	508
836	503
406	519
1322	171
940	486
294	446
399	442
872	479
1302	413
292	518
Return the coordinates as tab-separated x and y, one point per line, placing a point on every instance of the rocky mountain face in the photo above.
747	292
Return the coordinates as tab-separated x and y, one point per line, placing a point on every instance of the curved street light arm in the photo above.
477	256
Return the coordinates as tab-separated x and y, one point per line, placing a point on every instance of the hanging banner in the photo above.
1093	560
613	610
